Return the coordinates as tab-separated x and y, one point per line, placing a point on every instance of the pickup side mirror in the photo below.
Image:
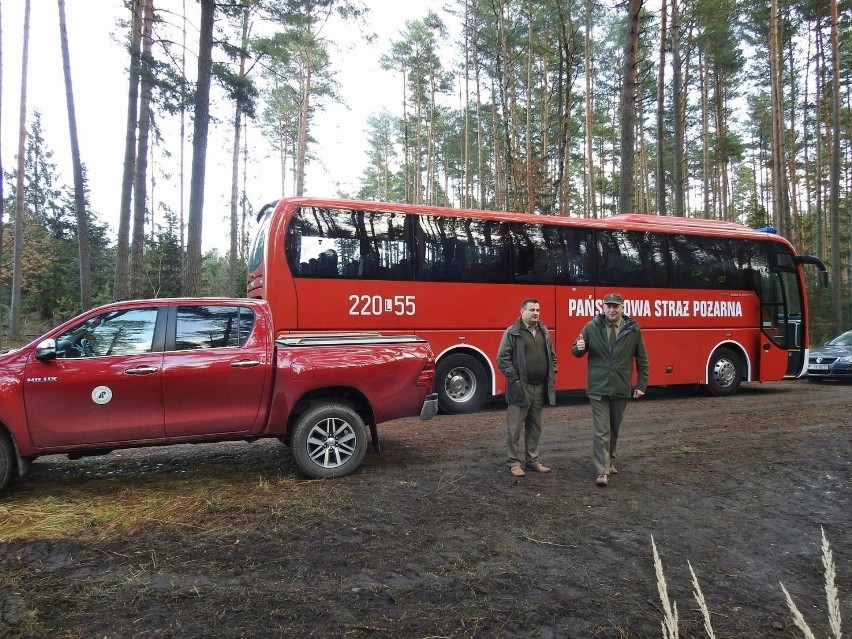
46	350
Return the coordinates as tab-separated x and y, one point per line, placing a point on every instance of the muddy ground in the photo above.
433	538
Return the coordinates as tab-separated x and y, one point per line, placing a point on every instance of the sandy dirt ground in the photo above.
434	539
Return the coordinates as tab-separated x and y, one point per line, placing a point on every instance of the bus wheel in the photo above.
723	374
329	440
461	383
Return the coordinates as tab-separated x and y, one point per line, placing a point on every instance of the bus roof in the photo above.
623	221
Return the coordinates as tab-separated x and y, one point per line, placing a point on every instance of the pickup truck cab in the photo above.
165	371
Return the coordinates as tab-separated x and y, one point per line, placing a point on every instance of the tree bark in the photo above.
705	135
140	186
780	199
122	251
2	197
661	109
304	120
192	272
834	177
628	107
591	208
679	119
17	264
79	186
235	163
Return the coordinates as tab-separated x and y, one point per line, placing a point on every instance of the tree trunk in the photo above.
529	206
591	208
17	264
705	134
661	109
818	143
780	203
2	196
305	113
834	177
628	107
235	164
792	168
480	131
466	198
122	250
678	108
183	101
79	186
192	272
140	185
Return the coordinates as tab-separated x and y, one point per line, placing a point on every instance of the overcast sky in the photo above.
98	65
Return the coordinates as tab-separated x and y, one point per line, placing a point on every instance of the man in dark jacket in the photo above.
613	341
527	359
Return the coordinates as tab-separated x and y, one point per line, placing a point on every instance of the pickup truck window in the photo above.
125	332
201	327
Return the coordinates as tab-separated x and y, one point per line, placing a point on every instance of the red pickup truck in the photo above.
168	371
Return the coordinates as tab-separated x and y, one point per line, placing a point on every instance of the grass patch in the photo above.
687	450
98	510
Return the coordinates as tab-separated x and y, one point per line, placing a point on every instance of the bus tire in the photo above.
461	383
328	440
724	372
7	461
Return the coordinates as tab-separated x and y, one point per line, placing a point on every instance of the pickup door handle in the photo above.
246	363
142	370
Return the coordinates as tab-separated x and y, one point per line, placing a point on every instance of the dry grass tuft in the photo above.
670	621
702	604
831	596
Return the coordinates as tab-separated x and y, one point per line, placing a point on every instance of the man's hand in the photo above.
580	343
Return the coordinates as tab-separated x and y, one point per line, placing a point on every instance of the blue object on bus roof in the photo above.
768	229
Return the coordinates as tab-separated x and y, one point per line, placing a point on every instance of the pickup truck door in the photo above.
218	371
104	386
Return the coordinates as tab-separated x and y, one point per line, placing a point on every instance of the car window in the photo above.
200	327
123	332
843	340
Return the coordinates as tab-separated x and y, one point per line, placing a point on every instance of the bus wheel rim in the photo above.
460	384
724	372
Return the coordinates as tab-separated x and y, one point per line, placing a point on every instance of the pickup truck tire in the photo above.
7	461
329	440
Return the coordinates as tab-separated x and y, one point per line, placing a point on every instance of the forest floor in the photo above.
434	538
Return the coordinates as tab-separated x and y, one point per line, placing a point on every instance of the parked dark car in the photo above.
833	360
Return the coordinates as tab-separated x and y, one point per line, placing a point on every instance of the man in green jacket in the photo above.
613	341
527	359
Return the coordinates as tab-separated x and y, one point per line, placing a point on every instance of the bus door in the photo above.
782	316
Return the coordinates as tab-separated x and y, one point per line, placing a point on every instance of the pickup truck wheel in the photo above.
461	383
7	461
329	440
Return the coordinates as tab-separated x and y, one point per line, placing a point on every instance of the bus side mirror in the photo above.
823	279
46	350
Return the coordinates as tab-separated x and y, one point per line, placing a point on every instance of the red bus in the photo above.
719	303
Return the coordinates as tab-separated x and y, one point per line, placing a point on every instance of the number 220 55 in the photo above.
378	305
